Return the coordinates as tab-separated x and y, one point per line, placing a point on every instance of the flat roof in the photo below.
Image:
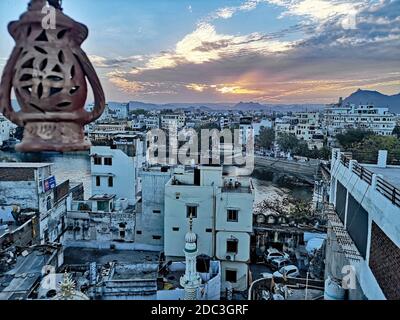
103	197
78	256
390	174
24	165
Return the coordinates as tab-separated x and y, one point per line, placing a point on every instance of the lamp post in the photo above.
48	70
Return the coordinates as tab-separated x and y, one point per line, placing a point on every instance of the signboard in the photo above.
49	184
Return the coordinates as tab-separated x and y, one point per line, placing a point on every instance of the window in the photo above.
232	246
175	229
209	230
233	215
98	181
108	161
156	211
139	232
48	203
156	237
231	276
97	161
122	234
191	211
110	182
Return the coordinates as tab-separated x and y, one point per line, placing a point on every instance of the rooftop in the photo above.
78	256
24	165
390	174
18	282
104	197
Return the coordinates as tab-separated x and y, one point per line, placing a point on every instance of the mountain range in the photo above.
359	97
375	98
241	106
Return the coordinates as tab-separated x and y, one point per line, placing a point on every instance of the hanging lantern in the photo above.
48	70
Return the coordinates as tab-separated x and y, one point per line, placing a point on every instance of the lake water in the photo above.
76	168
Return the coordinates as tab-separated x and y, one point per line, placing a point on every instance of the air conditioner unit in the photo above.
230	257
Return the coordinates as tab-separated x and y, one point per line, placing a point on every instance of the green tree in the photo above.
367	150
396	131
138	112
353	136
288	142
266	137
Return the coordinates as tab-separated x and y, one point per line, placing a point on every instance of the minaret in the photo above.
191	280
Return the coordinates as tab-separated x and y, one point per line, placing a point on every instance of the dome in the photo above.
190	237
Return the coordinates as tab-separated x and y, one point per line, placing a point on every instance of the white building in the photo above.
118	110
224	123
264	123
246	129
113	172
306	126
6	128
364	229
152	122
222	211
101	222
32	186
173	121
339	118
150	219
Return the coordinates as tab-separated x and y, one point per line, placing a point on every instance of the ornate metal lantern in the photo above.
48	70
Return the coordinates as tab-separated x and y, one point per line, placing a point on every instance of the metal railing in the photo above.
344	160
389	191
385	188
362	173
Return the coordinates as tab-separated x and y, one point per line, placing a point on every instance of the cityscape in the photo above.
269	191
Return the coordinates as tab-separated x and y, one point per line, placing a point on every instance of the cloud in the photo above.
102	62
229	12
327	62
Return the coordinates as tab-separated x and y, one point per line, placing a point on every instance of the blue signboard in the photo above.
49	184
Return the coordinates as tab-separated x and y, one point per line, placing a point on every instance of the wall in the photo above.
238	201
380	210
242	274
175	216
243	254
122	171
150	221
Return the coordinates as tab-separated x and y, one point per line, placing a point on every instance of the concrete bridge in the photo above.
304	170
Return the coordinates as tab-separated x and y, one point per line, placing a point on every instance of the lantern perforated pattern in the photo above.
48	78
48	71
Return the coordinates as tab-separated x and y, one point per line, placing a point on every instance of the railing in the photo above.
362	173
389	191
385	188
344	160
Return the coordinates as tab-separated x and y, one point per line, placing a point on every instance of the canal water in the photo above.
76	168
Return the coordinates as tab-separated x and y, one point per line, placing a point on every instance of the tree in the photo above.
266	137
288	142
396	131
138	112
353	136
367	150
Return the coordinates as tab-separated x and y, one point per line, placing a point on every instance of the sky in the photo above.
266	51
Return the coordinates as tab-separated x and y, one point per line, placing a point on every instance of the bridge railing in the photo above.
363	173
385	188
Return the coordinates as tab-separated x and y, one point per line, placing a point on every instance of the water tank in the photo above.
118	205
203	263
124	203
333	290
